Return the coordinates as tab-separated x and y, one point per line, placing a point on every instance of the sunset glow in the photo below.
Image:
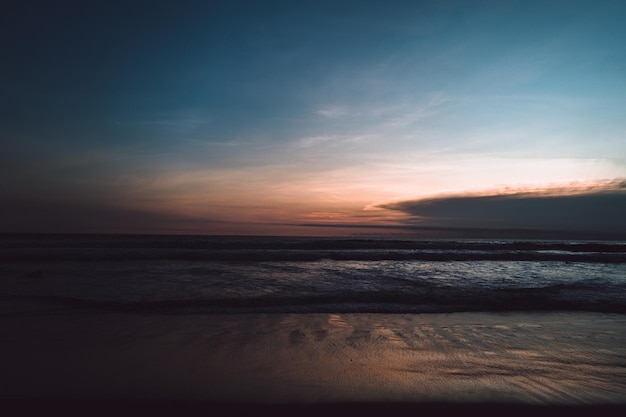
305	118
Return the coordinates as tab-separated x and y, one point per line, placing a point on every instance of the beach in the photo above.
122	325
544	359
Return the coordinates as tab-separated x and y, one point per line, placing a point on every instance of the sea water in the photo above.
59	274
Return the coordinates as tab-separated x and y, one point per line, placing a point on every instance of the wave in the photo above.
427	299
263	255
250	274
258	249
53	241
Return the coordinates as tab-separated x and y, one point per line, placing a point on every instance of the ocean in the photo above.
74	274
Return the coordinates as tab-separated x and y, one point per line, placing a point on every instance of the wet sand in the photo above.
551	359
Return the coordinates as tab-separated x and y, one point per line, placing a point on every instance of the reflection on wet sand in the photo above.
562	359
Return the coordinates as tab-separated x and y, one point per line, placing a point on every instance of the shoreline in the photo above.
421	360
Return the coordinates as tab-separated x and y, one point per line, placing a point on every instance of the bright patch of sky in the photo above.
267	112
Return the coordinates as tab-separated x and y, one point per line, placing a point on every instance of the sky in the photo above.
313	117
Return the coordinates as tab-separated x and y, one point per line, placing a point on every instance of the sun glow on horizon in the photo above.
298	118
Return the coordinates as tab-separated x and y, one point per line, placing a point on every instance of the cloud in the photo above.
597	207
333	112
577	211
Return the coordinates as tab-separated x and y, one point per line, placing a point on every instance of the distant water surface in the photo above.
53	274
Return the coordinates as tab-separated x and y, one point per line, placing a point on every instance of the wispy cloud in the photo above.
333	112
412	113
399	111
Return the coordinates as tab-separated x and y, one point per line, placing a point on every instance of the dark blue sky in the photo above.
240	116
